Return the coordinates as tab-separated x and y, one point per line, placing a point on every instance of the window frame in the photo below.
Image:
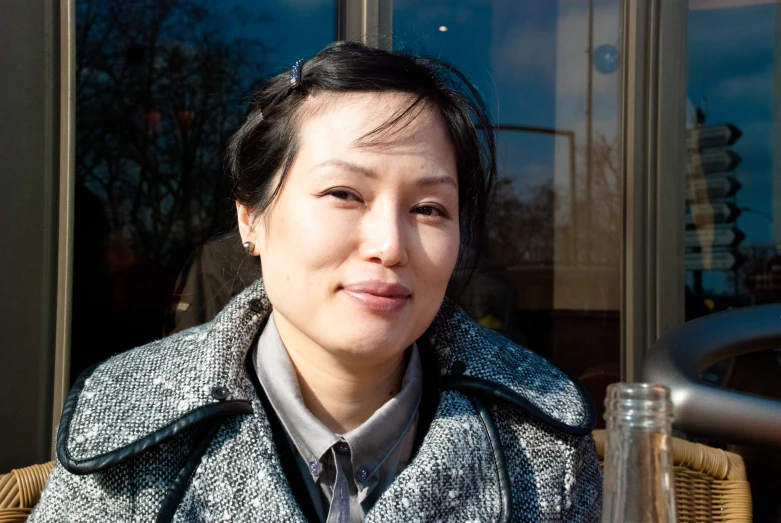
653	131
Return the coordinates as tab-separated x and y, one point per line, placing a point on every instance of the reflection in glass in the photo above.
733	192
550	273
731	197
160	86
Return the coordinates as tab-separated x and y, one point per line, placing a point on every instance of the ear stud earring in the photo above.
249	247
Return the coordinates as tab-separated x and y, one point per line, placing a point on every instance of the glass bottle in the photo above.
639	482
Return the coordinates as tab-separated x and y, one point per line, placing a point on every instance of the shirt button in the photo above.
342	448
362	474
315	468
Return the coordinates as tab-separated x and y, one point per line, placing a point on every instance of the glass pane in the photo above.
733	194
550	276
160	87
733	230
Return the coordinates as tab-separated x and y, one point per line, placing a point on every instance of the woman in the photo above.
343	387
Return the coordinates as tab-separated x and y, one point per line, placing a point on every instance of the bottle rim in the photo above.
638	404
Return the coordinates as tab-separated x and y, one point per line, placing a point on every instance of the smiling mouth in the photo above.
378	296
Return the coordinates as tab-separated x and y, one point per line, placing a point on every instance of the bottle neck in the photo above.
639	485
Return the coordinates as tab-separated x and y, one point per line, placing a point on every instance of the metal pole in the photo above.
67	183
589	123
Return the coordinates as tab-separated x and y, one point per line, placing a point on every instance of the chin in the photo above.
372	342
370	329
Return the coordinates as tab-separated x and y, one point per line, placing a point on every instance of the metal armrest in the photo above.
677	359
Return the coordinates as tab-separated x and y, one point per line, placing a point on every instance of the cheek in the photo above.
439	255
303	238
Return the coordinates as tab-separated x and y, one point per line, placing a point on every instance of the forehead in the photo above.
358	123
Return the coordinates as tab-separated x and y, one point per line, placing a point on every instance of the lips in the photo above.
377	295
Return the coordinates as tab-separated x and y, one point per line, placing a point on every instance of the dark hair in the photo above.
267	143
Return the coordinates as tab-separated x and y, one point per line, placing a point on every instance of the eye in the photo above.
343	194
430	210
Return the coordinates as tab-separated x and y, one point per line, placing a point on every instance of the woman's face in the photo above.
359	245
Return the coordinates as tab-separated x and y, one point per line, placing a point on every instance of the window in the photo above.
550	275
160	87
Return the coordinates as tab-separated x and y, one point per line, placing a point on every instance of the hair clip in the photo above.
295	74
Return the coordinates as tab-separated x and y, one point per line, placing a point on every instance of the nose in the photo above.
384	236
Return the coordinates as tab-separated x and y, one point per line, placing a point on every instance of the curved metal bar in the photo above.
677	359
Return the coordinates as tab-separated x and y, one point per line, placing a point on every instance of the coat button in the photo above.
458	368
256	306
220	393
362	474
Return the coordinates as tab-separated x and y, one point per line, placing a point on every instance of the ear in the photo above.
247	229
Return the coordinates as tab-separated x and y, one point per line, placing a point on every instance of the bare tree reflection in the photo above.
603	238
758	278
160	86
159	90
524	225
520	226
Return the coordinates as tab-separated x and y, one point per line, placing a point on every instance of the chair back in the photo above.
20	490
710	484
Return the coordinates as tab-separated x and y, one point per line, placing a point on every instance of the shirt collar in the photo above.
374	440
278	378
370	443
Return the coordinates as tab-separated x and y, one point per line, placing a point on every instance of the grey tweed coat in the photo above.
177	431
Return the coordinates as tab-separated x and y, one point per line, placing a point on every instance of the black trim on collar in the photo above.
481	387
178	488
109	459
505	488
287	458
429	401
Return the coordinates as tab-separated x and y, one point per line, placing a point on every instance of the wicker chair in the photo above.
710	484
20	490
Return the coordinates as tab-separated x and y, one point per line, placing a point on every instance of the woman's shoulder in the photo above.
158	368
138	398
542	416
474	358
171	348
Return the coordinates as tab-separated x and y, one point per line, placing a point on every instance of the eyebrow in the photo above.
349	166
431	181
426	181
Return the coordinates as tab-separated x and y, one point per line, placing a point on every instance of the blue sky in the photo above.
511	48
528	59
296	28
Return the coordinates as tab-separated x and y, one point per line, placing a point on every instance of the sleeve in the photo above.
187	301
583	484
214	273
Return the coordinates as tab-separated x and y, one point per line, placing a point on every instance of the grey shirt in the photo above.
352	470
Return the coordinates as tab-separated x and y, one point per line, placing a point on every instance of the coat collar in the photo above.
138	398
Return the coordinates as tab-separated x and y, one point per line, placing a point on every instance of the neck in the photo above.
339	393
